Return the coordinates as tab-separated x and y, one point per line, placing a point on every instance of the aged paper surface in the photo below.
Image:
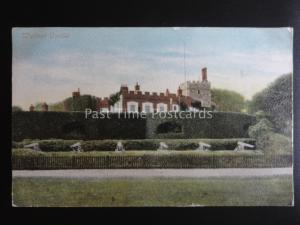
171	116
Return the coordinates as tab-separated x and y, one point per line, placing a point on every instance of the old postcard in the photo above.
169	116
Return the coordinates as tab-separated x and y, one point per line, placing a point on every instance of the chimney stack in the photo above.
31	108
44	107
179	91
124	89
204	74
137	87
167	92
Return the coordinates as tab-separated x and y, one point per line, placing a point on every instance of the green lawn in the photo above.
275	191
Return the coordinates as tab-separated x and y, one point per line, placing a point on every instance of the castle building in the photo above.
138	101
198	90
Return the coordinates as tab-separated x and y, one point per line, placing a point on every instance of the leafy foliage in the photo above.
269	141
113	98
275	143
262	127
183	106
220	125
38	106
57	107
228	101
169	127
16	108
80	103
276	102
74	125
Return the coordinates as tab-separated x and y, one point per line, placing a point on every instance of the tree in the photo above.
228	100
57	107
267	140
276	102
38	106
114	98
80	103
183	106
16	108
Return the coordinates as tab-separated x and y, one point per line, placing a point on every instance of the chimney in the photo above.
179	91
44	107
167	92
137	87
124	89
31	108
76	93
204	74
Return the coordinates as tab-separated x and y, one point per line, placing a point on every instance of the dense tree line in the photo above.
275	102
16	108
227	101
80	103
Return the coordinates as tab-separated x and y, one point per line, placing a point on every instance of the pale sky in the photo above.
50	63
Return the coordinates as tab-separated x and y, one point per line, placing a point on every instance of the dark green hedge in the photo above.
73	125
150	161
147	144
221	125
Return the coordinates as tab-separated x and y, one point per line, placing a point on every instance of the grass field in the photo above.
64	192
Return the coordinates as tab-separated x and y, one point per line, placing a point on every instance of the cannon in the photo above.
76	147
163	146
119	147
33	146
203	146
241	146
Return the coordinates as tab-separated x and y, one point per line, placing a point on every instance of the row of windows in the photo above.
148	107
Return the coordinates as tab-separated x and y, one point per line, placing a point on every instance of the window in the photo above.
175	107
132	108
147	108
162	107
198	92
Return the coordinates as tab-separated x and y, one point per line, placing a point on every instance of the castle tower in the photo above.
200	90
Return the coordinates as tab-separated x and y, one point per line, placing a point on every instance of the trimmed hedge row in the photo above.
74	125
221	125
150	161
147	144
